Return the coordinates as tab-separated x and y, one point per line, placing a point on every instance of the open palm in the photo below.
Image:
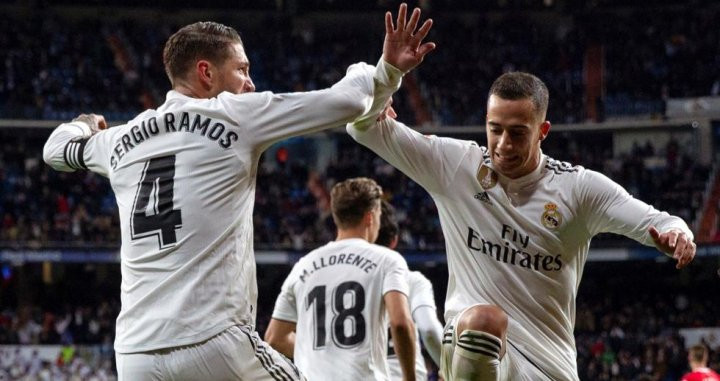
403	46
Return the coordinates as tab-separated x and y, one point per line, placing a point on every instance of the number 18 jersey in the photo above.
335	296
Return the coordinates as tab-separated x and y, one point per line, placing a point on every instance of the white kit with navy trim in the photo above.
520	244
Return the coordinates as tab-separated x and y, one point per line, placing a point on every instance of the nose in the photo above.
505	142
249	85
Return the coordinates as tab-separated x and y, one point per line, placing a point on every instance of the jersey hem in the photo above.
199	338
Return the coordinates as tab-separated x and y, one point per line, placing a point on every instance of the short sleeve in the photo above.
421	291
396	275
286	305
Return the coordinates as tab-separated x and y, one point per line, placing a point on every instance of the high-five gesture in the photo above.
403	47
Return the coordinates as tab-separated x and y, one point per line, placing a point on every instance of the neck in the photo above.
696	365
186	88
356	232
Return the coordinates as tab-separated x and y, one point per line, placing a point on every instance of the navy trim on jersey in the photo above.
73	154
276	371
530	361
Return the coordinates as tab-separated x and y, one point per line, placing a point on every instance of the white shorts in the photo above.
514	366
237	353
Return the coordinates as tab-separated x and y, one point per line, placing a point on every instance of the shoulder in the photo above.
386	253
418	278
559	167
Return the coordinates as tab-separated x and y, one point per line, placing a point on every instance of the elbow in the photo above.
403	325
355	104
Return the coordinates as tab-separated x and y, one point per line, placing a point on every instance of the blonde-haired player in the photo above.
332	313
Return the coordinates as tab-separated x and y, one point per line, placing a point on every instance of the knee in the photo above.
485	318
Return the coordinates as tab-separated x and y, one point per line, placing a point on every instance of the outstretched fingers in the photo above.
389	27
412	24
402	17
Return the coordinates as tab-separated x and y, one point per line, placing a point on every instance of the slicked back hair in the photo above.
351	199
389	229
519	85
202	40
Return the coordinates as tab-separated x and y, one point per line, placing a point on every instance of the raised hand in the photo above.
674	242
96	122
403	47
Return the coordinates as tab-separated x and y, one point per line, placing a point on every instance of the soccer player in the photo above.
333	309
517	227
422	305
184	179
698	360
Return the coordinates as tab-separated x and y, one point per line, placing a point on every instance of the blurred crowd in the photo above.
54	68
40	207
619	335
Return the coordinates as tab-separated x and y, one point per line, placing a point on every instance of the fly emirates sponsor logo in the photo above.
513	253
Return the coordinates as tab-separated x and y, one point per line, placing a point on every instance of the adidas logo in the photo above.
483	196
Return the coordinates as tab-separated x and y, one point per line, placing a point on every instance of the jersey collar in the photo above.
521	182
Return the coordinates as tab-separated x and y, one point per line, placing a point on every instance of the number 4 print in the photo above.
153	213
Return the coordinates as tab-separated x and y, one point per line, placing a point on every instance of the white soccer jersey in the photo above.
184	179
335	296
520	244
421	295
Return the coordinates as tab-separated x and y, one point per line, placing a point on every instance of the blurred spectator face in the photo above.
234	73
514	135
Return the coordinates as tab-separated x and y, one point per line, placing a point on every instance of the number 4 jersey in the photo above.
184	179
335	296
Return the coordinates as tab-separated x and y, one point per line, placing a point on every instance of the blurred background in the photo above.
634	93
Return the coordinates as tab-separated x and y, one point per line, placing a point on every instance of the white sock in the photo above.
476	357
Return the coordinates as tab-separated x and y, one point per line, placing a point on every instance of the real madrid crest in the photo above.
487	177
551	218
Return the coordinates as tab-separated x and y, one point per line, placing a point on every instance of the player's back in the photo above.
341	323
184	179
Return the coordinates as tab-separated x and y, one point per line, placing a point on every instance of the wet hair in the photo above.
389	229
351	199
202	40
519	85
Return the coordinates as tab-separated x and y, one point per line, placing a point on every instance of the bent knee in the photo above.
486	318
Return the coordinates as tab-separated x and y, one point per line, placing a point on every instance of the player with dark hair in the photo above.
184	178
517	227
332	313
698	361
422	305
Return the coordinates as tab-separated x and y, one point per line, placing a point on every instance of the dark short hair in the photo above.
698	353
389	229
351	199
202	40
519	85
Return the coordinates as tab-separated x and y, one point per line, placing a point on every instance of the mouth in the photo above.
506	159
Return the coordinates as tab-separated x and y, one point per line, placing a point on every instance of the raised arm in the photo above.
364	90
65	148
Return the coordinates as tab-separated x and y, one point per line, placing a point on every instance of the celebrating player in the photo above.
184	178
331	313
422	305
517	227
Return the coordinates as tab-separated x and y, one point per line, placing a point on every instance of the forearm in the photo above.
55	151
386	81
430	330
404	340
286	345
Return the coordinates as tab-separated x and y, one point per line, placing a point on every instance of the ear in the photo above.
544	130
394	242
205	73
368	218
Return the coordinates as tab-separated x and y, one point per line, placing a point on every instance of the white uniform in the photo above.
184	179
421	296
335	296
520	244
